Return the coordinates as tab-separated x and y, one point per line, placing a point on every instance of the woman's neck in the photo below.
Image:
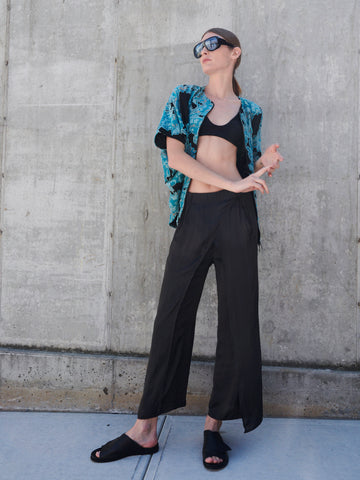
220	88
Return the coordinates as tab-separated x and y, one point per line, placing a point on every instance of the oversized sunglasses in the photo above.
211	44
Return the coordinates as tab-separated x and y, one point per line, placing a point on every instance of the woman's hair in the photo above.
233	39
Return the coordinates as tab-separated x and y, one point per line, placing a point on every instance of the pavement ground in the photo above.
56	446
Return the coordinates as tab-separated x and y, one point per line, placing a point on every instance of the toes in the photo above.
97	454
213	460
217	459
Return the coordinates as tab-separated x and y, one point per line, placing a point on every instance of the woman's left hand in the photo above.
271	158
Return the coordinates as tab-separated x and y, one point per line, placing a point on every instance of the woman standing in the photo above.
210	148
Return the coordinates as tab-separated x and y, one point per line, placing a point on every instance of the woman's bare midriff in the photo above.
218	155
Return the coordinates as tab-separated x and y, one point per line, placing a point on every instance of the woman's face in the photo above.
223	58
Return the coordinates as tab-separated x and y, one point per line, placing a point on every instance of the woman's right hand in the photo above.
251	183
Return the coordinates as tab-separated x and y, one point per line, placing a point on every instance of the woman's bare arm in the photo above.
179	160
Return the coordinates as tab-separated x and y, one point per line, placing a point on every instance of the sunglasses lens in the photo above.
212	43
197	50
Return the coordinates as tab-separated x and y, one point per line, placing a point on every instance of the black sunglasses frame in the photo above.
199	46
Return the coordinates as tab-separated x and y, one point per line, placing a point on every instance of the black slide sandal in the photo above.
121	447
214	446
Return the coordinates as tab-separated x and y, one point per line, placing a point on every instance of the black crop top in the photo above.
231	131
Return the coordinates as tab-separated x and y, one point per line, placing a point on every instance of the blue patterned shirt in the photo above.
182	117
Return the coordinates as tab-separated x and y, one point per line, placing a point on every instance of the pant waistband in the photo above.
218	196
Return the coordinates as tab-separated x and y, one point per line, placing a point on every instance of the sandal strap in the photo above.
214	445
121	447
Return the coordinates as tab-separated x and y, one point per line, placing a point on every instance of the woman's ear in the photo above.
236	52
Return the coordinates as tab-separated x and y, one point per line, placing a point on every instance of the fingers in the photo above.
274	147
261	186
276	162
258	183
261	171
253	182
272	159
276	158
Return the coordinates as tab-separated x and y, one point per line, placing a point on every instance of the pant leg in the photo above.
172	342
237	388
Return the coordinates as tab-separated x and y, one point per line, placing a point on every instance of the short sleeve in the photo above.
171	123
256	123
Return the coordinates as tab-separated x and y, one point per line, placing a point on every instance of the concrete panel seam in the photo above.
357	16
153	466
145	461
4	131
113	380
110	211
111	355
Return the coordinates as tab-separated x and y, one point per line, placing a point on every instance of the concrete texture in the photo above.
58	156
84	209
57	446
79	382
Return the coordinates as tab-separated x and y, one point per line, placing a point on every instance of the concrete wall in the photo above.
84	208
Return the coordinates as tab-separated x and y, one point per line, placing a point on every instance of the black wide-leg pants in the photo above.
217	228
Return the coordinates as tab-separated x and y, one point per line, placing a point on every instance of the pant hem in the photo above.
249	428
161	411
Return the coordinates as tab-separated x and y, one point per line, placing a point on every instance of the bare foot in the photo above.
214	426
143	432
